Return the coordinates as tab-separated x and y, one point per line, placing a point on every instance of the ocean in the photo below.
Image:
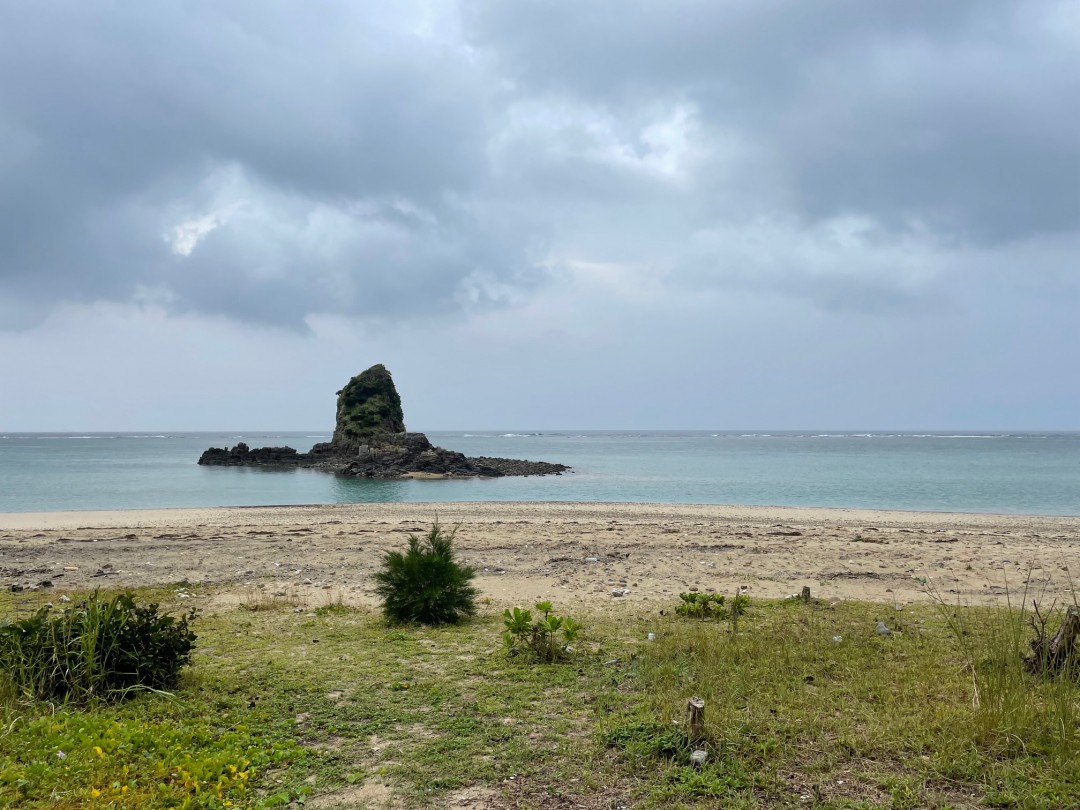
1011	473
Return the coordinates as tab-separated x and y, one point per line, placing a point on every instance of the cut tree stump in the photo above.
1050	656
695	710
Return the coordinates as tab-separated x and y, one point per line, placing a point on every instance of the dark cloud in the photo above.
273	161
957	114
330	151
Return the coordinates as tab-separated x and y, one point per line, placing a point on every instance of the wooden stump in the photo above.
695	710
1050	656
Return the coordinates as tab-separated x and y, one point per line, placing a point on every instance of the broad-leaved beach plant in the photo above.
548	638
711	606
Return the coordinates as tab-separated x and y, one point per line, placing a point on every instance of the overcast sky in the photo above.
745	214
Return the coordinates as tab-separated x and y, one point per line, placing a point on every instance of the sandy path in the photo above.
571	553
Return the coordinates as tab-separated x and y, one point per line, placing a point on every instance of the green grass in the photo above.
334	703
796	718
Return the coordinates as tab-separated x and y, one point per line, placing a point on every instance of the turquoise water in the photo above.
1022	473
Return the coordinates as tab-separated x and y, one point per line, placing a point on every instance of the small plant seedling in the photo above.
739	604
548	638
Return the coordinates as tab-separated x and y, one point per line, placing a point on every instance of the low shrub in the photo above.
101	649
548	639
425	584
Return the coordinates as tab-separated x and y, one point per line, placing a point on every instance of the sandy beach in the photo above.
573	553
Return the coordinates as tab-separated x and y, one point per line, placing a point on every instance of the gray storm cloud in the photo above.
272	162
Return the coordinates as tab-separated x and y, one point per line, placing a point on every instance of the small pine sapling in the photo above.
425	584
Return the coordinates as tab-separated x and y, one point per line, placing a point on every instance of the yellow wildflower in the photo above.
94	793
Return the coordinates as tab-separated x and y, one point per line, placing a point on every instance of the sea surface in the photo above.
1017	473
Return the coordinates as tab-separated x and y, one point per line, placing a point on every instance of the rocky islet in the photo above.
370	441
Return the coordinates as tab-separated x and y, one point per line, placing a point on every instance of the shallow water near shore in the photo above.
1009	473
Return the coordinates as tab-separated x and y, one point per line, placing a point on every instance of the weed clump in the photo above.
102	649
650	740
425	584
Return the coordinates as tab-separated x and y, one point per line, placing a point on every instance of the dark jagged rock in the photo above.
242	455
370	441
514	466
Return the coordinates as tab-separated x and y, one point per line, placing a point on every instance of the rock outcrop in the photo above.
242	455
370	441
368	408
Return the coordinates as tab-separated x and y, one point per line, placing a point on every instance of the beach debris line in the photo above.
370	441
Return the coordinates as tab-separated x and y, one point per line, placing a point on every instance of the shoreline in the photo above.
18	519
576	553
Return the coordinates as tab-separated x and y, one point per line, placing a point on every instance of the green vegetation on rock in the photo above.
367	407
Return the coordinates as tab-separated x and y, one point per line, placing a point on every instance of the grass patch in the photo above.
256	598
332	704
809	706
